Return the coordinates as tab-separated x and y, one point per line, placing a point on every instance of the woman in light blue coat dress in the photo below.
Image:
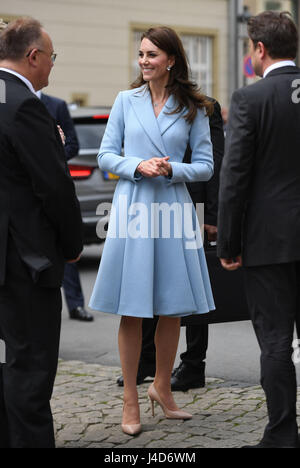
153	262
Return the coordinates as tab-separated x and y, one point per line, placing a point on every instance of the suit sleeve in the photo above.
202	165
66	123
212	186
38	145
236	174
109	157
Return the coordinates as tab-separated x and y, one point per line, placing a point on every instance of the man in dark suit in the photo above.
191	371
71	282
259	211
40	229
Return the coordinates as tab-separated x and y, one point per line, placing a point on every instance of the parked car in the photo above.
93	186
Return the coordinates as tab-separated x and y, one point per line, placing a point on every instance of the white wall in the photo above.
92	39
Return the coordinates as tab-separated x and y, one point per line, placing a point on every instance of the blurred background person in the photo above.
225	118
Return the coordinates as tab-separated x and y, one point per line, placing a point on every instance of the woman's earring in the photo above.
169	68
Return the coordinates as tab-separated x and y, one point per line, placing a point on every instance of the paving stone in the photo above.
87	410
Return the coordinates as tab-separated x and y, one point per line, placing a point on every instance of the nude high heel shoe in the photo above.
131	429
170	414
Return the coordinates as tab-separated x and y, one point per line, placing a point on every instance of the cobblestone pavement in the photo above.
87	408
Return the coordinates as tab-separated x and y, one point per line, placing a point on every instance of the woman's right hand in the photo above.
154	167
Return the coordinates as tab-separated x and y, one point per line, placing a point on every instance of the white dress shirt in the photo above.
282	63
25	80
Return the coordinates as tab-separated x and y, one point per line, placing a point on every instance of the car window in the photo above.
90	135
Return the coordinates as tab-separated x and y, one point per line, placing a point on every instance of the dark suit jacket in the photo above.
38	205
259	200
59	111
207	192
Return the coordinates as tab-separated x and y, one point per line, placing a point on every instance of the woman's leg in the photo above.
130	342
166	342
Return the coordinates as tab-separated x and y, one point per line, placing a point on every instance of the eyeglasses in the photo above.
53	56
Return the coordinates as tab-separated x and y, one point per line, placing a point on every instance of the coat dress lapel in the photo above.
142	105
154	127
165	120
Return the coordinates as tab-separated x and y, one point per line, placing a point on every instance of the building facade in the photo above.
97	42
257	6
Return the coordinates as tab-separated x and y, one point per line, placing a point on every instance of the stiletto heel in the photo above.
170	414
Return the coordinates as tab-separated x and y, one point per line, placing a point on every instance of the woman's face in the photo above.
154	62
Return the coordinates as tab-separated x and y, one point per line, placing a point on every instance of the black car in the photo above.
93	186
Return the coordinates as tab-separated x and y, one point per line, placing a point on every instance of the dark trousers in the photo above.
148	354
193	357
273	298
72	287
196	348
30	319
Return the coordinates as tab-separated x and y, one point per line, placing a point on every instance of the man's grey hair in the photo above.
18	36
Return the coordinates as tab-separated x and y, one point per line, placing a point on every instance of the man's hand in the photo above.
231	264
62	135
75	259
211	232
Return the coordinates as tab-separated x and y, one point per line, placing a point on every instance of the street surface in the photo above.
233	352
87	404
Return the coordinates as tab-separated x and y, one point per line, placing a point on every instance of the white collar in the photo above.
282	63
25	80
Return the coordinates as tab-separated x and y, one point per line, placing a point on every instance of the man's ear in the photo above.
262	49
32	57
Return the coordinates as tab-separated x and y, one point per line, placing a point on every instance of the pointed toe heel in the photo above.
169	414
131	429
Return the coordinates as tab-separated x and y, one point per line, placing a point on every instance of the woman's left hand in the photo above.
155	167
166	167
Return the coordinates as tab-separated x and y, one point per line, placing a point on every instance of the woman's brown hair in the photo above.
185	91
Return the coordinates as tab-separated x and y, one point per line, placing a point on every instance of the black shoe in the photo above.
265	445
81	314
141	376
184	378
260	445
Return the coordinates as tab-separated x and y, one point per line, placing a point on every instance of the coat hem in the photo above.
104	310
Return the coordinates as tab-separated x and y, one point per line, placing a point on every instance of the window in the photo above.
7	18
135	53
81	99
199	53
273	5
199	50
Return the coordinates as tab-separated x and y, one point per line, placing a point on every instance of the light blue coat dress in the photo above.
153	262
